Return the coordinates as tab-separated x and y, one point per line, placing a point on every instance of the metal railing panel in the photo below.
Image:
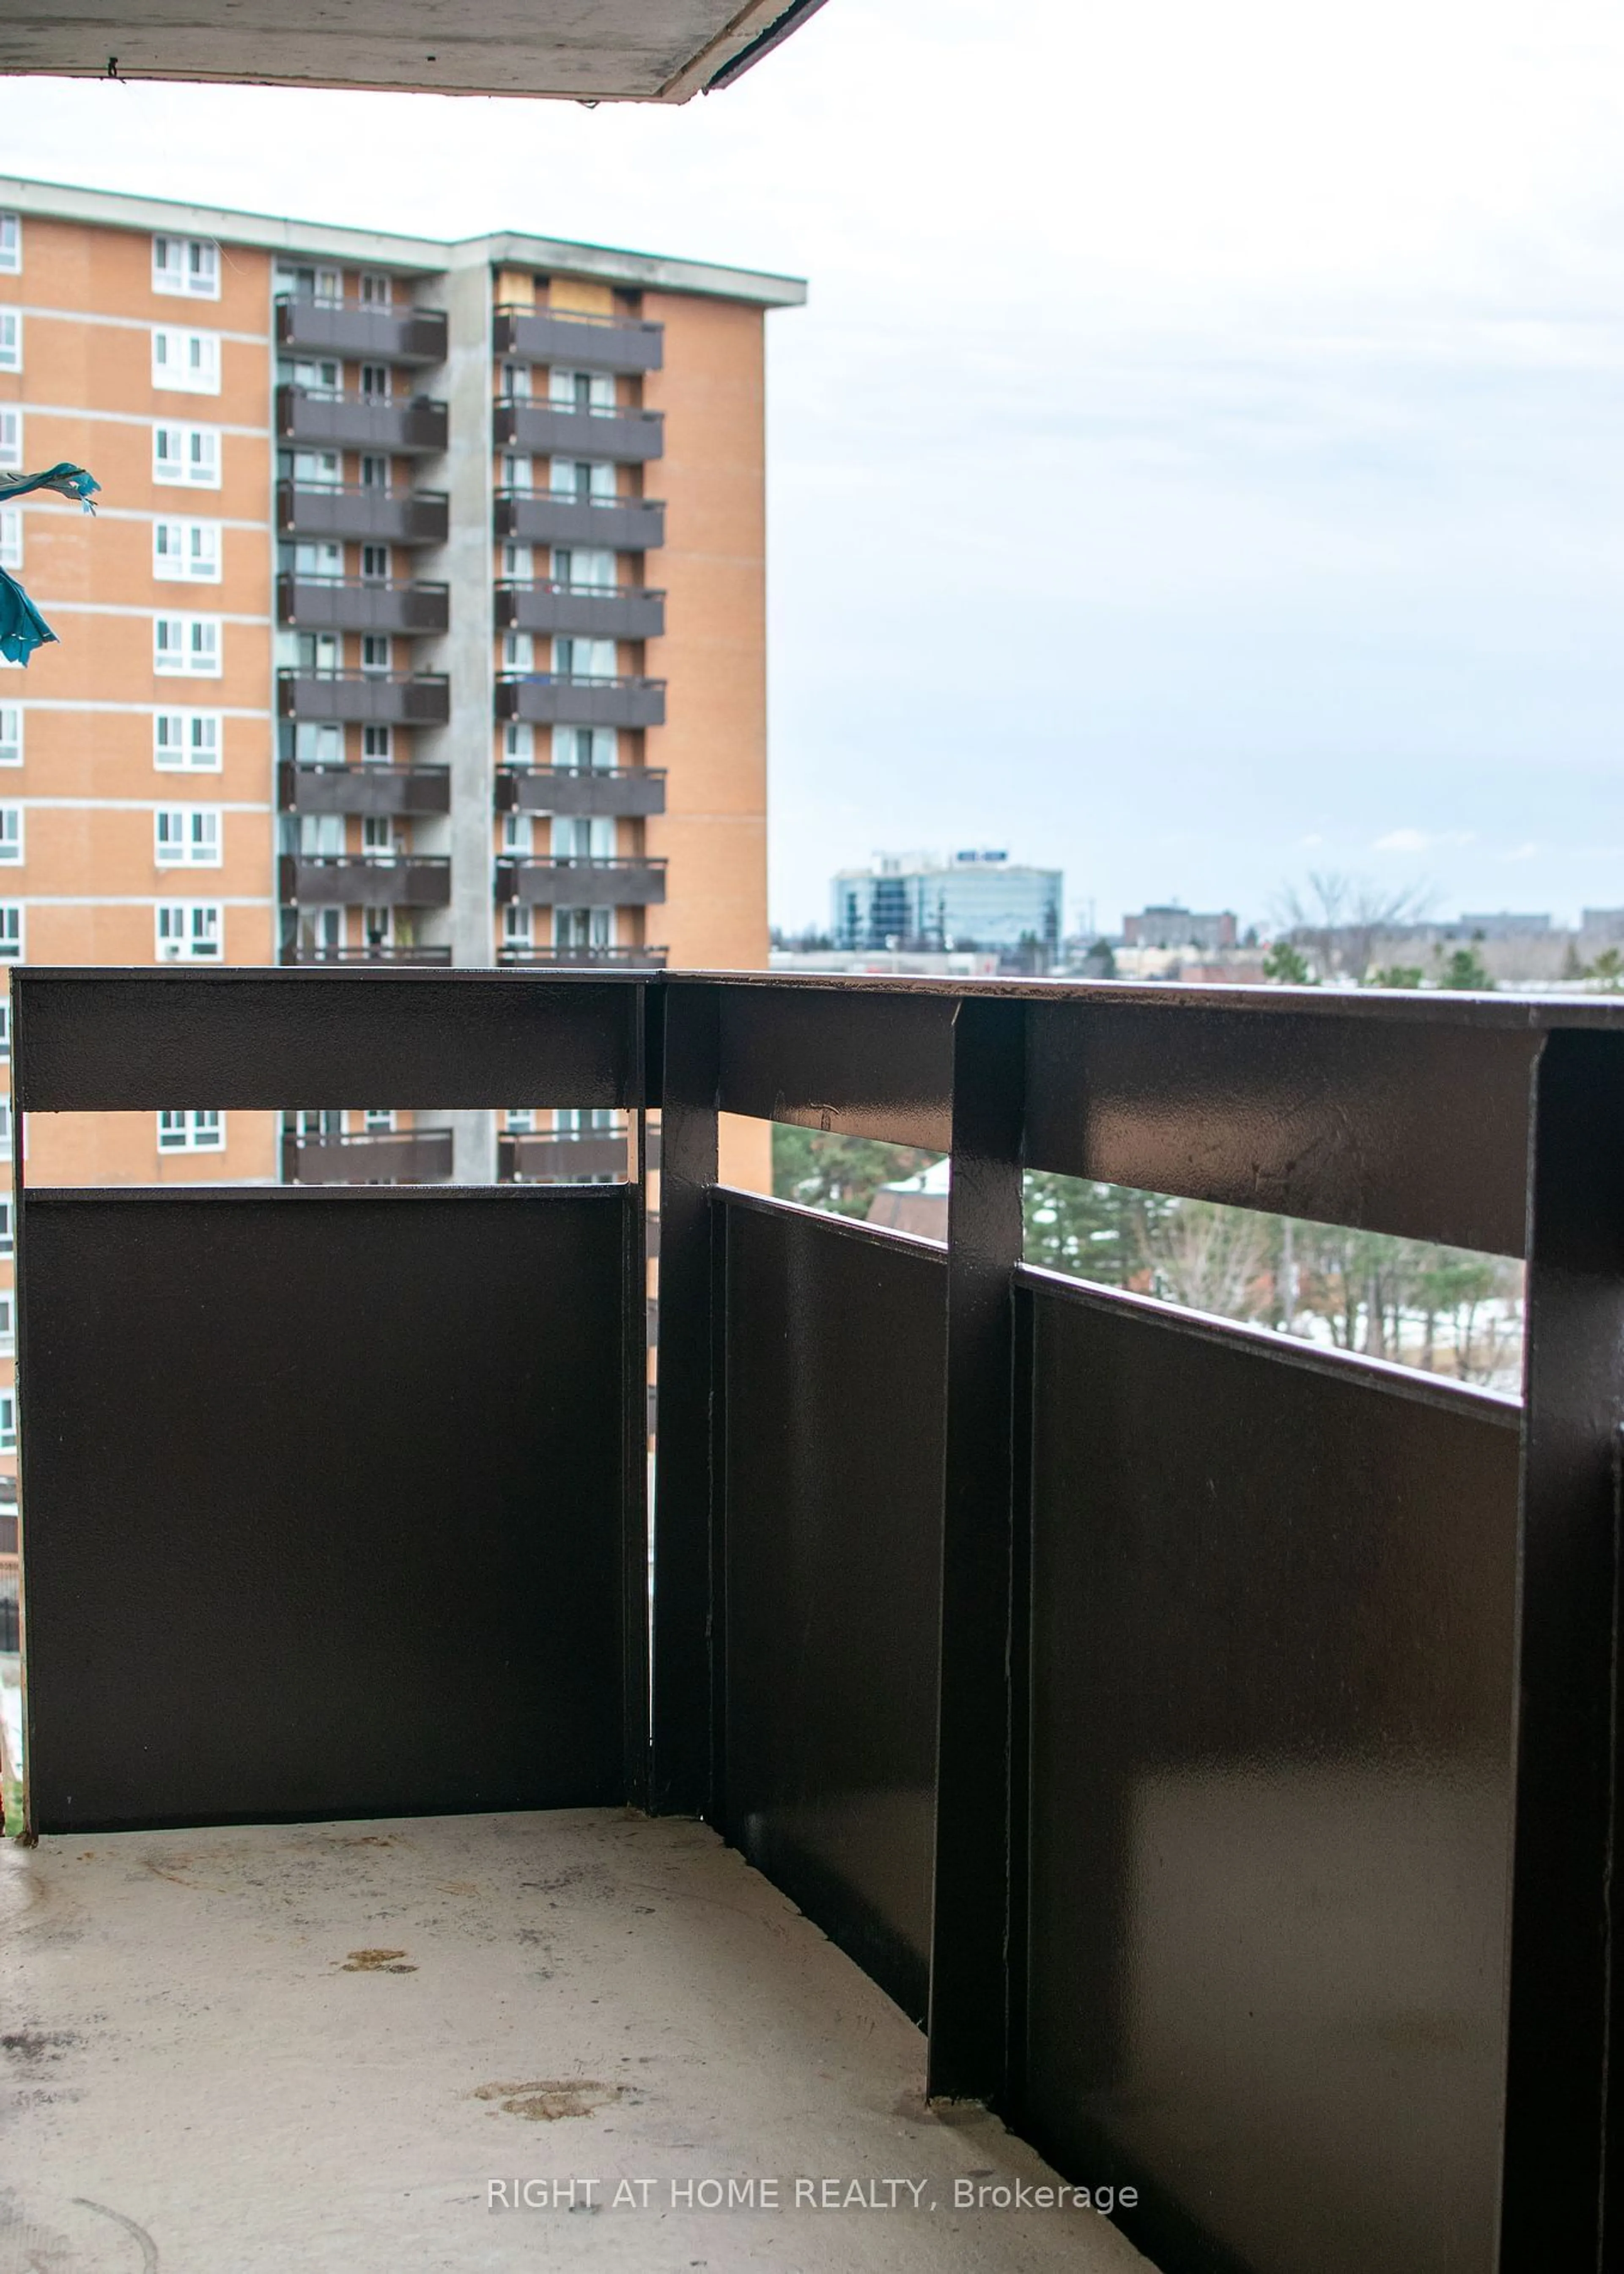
1273	1605
831	1517
346	1535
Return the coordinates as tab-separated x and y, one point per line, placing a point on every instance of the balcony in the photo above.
410	880
1211	1736
620	612
394	1157
311	416
299	956
560	1156
369	698
566	883
617	957
621	524
624	791
362	603
559	430
367	789
358	332
362	513
619	343
549	699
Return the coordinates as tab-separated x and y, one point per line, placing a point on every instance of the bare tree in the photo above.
1212	1258
1340	918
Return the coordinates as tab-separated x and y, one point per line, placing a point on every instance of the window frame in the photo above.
174	372
11	740
189	460
199	842
189	934
187	533
185	762
12	320
10	243
188	646
190	279
192	1129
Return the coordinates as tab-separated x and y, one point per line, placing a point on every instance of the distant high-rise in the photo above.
970	899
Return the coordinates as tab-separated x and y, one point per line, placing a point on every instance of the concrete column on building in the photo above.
468	653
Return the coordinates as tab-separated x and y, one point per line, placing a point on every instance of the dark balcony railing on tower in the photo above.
372	1156
362	603
617	957
551	699
1211	1736
412	426
305	788
579	342
365	697
555	1156
621	790
566	430
298	954
619	524
626	883
626	612
358	331
361	511
407	880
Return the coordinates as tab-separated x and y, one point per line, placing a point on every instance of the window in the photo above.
10	836
190	644
186	551
585	747
7	1243
518	836
188	931
584	837
378	838
10	932
319	375
583	658
582	478
319	742
582	390
375	652
322	562
376	290
321	836
187	264
521	1121
377	746
11	734
580	564
374	473
518	471
187	739
10	243
325	285
378	1120
201	1131
188	361
318	470
516	925
8	1402
375	383
518	743
516	381
375	563
186	454
376	927
6	1128
11	438
518	562
186	836
518	651
8	1323
5	1026
10	340
10	537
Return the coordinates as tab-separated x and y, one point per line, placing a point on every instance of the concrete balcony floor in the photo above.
315	2046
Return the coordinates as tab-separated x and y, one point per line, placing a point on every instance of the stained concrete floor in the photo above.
320	2046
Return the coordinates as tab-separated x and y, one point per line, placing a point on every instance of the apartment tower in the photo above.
422	622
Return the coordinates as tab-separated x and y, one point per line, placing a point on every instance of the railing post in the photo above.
969	1975
682	1780
1564	1986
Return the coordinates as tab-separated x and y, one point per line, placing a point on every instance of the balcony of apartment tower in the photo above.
330	1146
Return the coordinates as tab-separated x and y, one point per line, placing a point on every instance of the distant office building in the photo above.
970	899
1173	926
1504	924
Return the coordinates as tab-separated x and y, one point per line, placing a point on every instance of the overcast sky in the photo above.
1200	460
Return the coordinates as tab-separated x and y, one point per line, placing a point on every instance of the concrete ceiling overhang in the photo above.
582	50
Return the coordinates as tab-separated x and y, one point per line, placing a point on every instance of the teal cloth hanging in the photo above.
22	627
